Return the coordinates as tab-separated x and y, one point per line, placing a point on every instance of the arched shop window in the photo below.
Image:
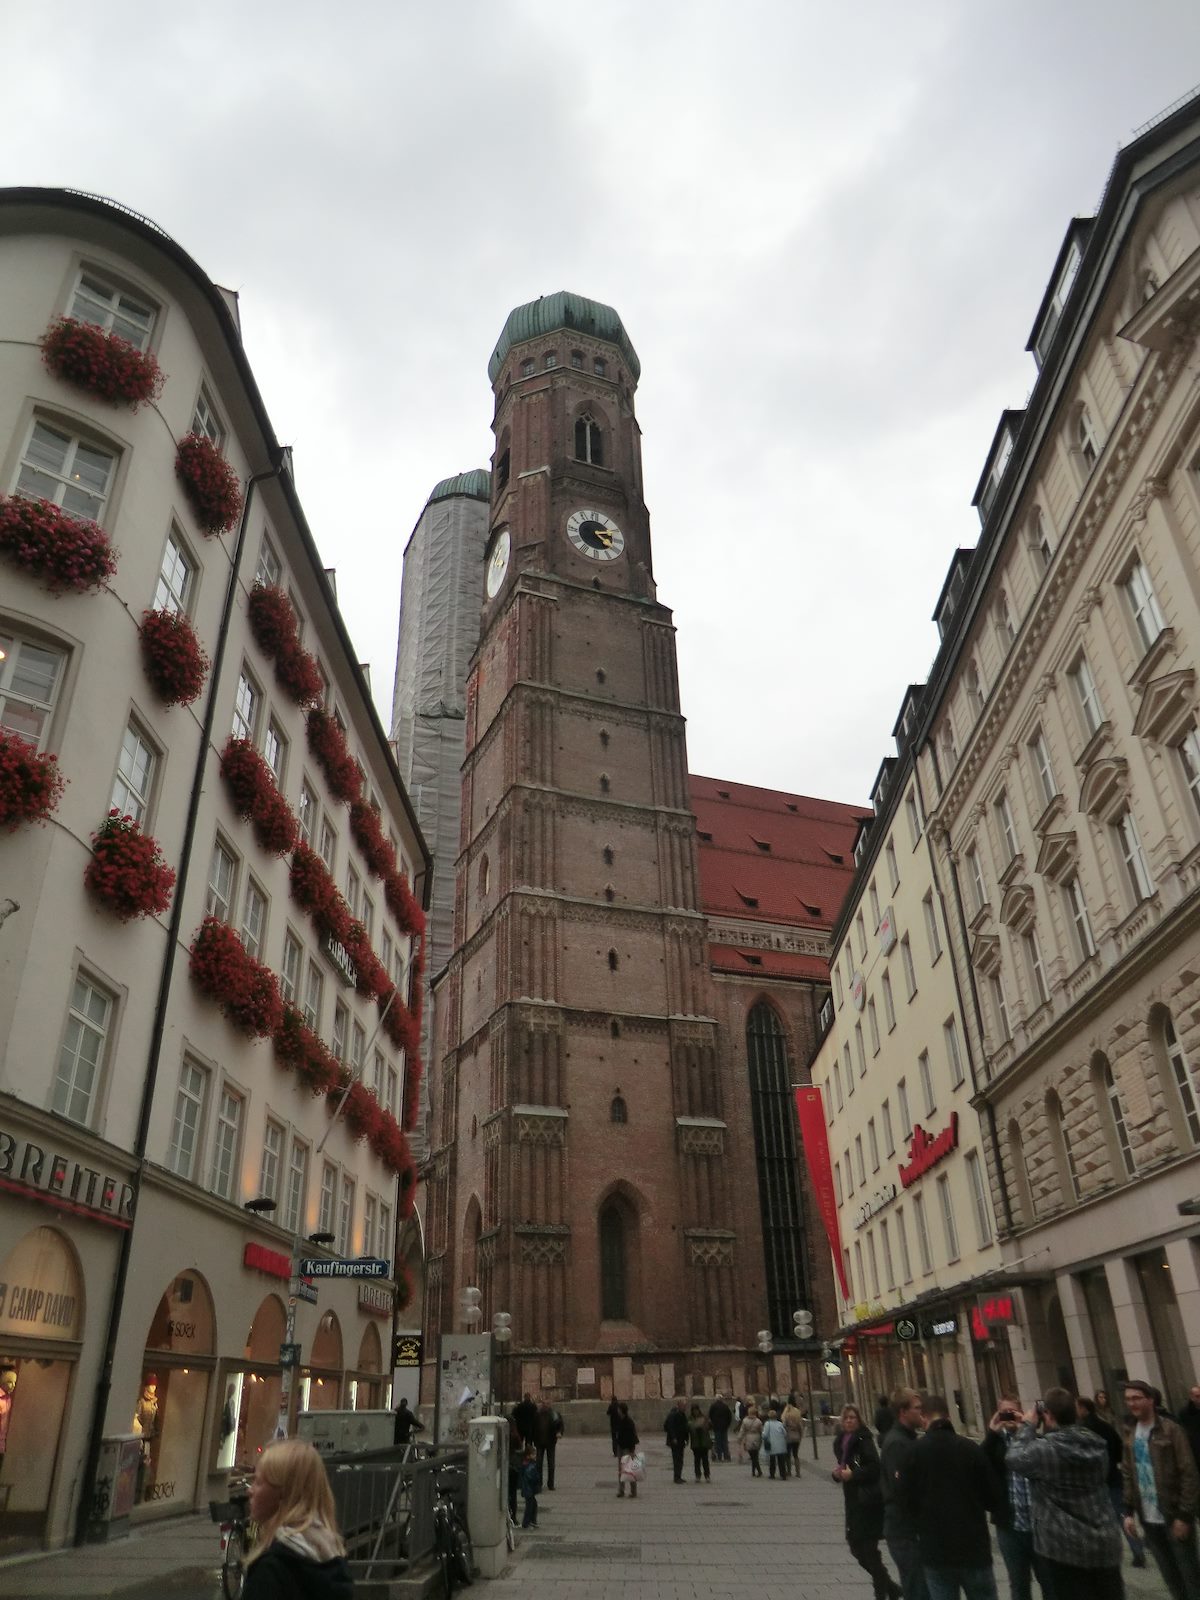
168	1412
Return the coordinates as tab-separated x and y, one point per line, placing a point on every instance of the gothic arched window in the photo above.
618	1111
589	445
774	1115
613	1294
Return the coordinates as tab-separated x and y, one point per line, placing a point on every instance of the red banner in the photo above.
811	1115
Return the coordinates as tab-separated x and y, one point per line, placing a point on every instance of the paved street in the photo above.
735	1536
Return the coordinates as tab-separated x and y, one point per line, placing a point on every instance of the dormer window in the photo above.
992	487
1058	300
589	445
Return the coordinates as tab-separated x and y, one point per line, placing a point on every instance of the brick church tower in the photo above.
579	1172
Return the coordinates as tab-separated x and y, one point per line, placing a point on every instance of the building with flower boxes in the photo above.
211	888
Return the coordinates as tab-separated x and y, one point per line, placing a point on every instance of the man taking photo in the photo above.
1161	1486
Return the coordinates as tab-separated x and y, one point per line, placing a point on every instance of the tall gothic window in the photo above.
778	1170
588	443
613	1300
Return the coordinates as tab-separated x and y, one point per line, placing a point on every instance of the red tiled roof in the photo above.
766	963
779	850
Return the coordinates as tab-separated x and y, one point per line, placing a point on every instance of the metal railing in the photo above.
384	1501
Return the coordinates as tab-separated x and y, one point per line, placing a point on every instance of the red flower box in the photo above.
127	872
363	1115
298	1048
403	904
211	483
372	977
66	553
30	784
245	990
401	1027
172	657
251	786
314	891
102	363
328	743
273	624
377	848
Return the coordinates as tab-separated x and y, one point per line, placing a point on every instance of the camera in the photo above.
1009	1415
1040	1407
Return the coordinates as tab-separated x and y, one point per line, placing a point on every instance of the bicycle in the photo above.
238	1532
451	1538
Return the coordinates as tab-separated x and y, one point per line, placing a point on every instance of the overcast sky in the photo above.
826	229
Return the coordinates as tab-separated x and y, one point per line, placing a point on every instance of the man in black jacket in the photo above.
948	1489
676	1429
720	1417
899	1527
524	1414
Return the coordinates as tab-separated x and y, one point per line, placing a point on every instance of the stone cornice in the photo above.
621	713
573	804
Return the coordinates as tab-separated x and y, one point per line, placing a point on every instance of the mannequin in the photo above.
8	1383
145	1418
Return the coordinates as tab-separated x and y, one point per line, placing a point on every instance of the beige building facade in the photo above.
166	1142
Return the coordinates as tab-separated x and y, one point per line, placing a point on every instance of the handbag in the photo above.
633	1467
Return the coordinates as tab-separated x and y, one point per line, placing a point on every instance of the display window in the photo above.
366	1381
321	1379
41	1324
168	1413
250	1392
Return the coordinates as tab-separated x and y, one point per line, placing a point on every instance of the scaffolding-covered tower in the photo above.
440	604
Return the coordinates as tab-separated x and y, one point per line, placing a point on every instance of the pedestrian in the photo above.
299	1550
720	1419
793	1426
1014	1515
750	1438
627	1443
1104	1409
1090	1418
1073	1530
614	1413
407	1423
885	1419
1162	1487
524	1414
949	1489
516	1449
547	1431
857	1471
774	1443
531	1482
1189	1420
675	1426
700	1439
899	1528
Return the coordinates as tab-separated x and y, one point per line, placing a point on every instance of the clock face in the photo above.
497	566
594	535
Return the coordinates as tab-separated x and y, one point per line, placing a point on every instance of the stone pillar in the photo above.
1133	1322
1084	1355
1185	1275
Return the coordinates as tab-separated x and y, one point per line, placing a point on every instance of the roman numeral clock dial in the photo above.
594	535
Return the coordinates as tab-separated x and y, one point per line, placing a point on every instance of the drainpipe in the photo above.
117	1304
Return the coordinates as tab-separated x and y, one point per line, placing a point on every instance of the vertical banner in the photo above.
811	1115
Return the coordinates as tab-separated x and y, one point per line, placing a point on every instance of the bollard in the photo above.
487	1492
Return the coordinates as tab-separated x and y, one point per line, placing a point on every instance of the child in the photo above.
700	1435
774	1442
531	1482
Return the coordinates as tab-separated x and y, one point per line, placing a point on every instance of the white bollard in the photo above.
487	1492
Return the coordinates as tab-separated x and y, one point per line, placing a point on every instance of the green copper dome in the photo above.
553	312
476	485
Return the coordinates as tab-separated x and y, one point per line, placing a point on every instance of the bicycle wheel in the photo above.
233	1562
464	1553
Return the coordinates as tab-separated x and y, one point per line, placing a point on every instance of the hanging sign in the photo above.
811	1117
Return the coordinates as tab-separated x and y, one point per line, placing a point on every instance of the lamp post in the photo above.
501	1334
802	1329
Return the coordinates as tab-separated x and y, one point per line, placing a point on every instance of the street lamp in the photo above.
472	1311
802	1330
501	1333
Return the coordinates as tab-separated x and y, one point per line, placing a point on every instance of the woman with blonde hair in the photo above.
299	1554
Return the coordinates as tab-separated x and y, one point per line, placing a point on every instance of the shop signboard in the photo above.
39	1289
925	1150
406	1350
375	1299
40	1172
992	1311
906	1328
941	1328
289	1355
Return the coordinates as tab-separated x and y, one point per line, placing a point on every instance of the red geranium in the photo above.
251	785
246	991
328	743
30	783
314	891
372	977
407	1173
403	903
273	624
298	1047
127	872
66	553
211	483
102	363
391	1146
172	656
401	1027
378	850
363	1115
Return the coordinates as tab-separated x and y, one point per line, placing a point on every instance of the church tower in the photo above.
577	1170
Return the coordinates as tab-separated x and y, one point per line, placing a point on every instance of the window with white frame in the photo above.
873	1025
370	1221
1035	967
272	1158
979	1200
859	1050
358	1045
902	1242
275	750
837	985
873	1144
874	1265
910	972
269	572
1129	846
186	1123
906	1124
889	855
66	470
289	975
889	1137
931	928
30	675
859	1169
346	1216
922	1233
914	819
1181	1073
949	1226
1120	1126
205	420
314	996
308	814
175	575
973	686
222	883
1039	541
1087	696
885	1246
297	1187
975	879
953	1052
873	897
391	1093
245	708
386	1247
1005	826
1086	438
341	1029
254	919
367	917
353	889
889	1006
82	1052
926	1074
1057	301
226	1143
837	1084
328	850
862	935
327	1211
1077	916
849	1170
837	1182
135	775
1189	760
1142	602
999	1008
1005	631
104	305
1043	771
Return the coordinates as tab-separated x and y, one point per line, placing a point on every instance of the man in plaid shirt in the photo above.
1074	1530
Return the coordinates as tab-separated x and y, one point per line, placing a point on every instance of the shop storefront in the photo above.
321	1379
250	1391
168	1414
365	1383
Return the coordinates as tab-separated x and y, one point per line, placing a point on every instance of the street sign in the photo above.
289	1355
300	1289
361	1267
